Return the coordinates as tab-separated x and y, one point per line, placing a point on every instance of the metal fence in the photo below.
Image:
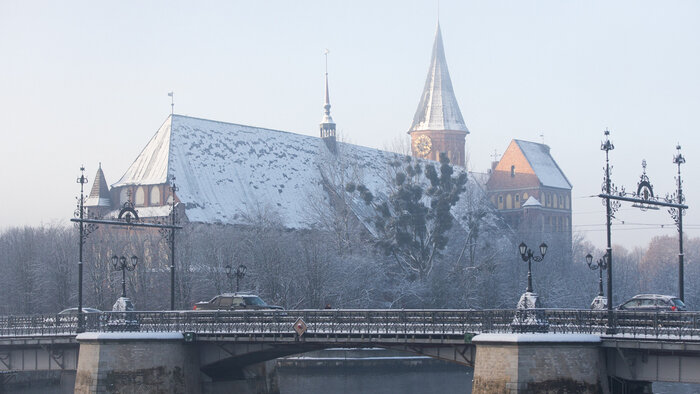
414	323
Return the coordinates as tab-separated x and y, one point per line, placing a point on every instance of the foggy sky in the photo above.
83	82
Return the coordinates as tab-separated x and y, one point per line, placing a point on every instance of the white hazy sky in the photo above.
83	82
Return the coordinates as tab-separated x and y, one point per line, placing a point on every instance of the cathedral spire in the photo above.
327	125
438	108
438	126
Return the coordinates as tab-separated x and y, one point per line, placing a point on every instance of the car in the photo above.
234	301
74	311
70	316
653	303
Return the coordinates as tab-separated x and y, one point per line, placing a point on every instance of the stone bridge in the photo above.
510	350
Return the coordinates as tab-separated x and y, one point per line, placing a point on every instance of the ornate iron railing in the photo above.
367	323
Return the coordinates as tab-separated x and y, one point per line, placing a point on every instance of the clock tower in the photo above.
438	125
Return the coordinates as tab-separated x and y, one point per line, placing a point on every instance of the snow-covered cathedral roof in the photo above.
226	172
438	108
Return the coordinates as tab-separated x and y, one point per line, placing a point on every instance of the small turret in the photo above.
327	125
99	201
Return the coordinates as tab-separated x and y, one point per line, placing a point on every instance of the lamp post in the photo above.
81	212
121	263
679	159
239	273
600	265
527	255
607	146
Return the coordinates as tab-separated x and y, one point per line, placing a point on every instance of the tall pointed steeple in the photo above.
327	125
438	125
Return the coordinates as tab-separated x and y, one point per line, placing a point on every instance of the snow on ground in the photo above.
128	335
520	338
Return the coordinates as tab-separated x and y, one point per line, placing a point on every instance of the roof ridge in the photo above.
237	124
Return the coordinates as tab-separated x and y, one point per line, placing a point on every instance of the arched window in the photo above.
140	196
525	196
509	201
512	171
155	195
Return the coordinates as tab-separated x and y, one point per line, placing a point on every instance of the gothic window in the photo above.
512	171
140	196
500	201
509	201
155	195
525	196
566	203
554	200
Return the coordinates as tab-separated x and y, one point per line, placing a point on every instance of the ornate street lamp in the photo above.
600	265
239	274
527	255
121	264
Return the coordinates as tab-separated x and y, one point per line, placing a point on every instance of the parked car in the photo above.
74	311
69	316
234	301
653	303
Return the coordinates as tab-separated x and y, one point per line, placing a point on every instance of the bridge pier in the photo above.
539	363
136	362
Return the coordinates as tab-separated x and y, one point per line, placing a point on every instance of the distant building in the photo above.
532	193
227	172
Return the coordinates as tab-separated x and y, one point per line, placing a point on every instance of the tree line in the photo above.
407	254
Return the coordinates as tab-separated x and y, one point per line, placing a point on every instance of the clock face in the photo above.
422	145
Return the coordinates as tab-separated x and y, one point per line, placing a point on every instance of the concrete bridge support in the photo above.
539	363
137	362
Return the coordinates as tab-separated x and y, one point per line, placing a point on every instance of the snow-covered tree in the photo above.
413	223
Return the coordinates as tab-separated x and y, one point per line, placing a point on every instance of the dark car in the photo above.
653	303
234	301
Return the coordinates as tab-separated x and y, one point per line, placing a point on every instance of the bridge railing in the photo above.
444	323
